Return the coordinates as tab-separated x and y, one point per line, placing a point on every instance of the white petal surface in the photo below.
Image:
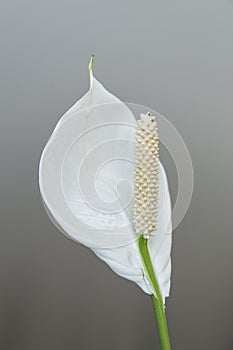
86	177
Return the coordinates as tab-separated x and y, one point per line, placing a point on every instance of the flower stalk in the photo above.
157	298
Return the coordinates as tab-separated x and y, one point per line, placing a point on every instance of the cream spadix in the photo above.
95	142
146	186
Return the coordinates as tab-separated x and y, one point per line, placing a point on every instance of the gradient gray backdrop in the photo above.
174	56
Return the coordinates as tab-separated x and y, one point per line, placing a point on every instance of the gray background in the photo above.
175	56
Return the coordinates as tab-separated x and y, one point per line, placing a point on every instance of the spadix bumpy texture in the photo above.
125	260
146	185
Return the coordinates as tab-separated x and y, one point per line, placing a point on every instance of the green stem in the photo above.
157	299
161	324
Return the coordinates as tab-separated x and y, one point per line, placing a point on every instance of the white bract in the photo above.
86	179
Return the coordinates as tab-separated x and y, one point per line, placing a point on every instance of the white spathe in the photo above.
86	178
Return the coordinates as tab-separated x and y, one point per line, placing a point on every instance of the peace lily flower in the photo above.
95	152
